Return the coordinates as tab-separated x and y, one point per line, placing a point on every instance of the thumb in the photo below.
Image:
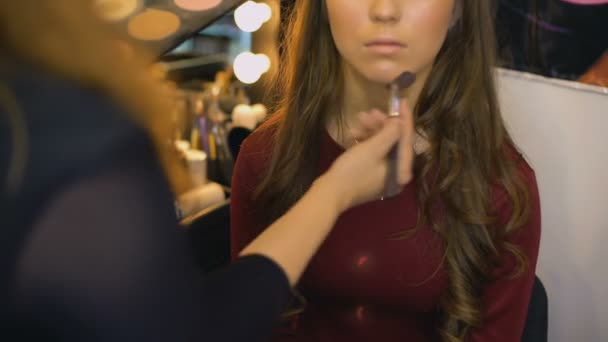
380	144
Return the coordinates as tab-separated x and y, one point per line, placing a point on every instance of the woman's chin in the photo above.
383	75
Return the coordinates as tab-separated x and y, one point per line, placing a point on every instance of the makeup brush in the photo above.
403	81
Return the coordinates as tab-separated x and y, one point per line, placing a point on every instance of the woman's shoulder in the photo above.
259	145
57	106
522	166
55	103
525	172
69	128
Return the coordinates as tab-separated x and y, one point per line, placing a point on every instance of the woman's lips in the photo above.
385	46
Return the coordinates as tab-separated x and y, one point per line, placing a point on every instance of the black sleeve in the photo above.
107	262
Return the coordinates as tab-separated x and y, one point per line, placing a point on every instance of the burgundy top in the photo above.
363	286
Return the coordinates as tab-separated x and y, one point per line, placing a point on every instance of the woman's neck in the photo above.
362	95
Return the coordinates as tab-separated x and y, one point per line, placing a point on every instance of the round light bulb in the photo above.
263	62
247	18
247	68
264	12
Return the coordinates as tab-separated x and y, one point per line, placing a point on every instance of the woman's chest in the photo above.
375	256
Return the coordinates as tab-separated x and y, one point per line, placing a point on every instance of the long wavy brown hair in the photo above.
69	39
458	111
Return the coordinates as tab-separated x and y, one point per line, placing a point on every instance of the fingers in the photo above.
372	121
380	144
378	133
369	124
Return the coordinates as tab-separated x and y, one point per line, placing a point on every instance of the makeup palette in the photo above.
162	25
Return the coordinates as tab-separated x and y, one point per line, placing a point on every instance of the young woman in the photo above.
453	256
90	249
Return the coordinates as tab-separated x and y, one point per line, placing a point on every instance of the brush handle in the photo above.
391	185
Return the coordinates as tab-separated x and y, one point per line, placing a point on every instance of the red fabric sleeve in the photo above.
508	297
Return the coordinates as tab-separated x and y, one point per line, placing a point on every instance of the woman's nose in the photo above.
385	11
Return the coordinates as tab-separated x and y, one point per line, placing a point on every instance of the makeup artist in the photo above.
90	248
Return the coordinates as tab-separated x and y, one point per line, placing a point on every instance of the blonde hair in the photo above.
68	38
